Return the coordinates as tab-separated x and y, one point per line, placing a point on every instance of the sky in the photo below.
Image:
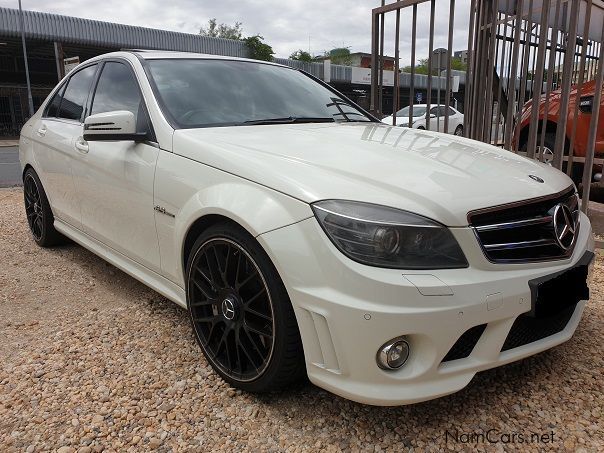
287	25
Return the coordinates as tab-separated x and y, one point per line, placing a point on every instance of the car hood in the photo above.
440	176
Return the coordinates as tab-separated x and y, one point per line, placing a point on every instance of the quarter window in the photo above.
76	94
52	108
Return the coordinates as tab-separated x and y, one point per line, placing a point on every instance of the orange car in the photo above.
586	108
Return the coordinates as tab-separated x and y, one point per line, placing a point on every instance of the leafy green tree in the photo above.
215	30
458	65
340	55
259	50
301	55
422	66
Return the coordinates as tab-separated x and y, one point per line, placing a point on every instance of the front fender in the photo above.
189	190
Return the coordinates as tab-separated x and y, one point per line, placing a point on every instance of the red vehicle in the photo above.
586	108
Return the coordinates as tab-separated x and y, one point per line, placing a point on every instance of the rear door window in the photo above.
76	94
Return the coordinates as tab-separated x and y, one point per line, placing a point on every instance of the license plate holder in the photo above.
553	293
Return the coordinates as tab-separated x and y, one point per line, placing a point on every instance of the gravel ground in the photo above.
92	360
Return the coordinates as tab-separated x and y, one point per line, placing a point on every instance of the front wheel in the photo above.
241	314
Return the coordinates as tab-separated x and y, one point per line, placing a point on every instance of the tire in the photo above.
241	314
421	128
37	209
459	131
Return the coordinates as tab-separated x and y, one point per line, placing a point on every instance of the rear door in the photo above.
115	178
55	133
434	122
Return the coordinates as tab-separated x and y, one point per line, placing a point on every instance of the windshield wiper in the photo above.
291	120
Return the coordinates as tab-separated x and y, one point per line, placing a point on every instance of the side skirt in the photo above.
152	279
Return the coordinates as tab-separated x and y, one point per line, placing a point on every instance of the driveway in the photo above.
10	170
92	360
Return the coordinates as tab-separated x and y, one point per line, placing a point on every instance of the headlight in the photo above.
388	237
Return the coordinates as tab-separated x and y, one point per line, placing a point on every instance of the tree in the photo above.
458	65
422	66
259	50
340	55
215	30
301	55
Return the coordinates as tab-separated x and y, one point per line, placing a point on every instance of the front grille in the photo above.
527	329
523	232
464	346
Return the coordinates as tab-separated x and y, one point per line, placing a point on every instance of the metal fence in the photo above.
534	76
14	109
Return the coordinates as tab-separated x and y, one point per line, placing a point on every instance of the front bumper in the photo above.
346	311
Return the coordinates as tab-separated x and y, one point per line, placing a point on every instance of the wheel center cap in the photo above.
228	308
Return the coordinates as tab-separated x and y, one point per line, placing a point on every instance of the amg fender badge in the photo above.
163	211
536	178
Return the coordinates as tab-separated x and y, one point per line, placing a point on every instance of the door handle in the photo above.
42	131
81	145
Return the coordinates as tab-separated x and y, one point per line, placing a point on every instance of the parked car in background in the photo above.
437	118
304	236
586	108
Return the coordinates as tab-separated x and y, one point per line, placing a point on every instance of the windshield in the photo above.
201	92
417	111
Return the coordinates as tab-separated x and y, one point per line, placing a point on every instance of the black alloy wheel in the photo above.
33	207
39	215
230	295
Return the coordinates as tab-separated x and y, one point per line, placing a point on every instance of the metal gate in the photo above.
534	76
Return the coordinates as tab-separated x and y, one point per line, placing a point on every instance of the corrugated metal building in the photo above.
52	37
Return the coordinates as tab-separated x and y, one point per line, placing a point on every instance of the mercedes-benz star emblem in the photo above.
565	226
228	309
536	178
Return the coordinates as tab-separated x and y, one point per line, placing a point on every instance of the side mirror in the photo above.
432	115
117	125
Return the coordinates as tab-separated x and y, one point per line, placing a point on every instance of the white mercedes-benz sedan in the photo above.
437	118
387	264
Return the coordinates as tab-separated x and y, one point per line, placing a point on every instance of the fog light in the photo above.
393	354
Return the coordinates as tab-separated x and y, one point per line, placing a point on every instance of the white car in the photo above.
437	118
305	237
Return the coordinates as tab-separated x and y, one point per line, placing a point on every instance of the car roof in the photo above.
167	54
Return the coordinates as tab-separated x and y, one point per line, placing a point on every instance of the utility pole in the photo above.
29	97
